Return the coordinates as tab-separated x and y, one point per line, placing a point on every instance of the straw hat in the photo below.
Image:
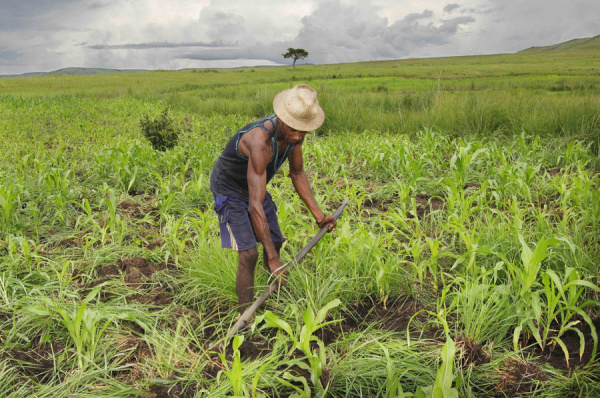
299	108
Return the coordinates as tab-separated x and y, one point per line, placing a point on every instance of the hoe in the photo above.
247	315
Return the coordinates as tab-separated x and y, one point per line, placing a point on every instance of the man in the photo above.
239	180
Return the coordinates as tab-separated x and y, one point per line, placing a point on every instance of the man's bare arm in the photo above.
302	187
256	146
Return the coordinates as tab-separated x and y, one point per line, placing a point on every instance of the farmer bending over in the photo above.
239	181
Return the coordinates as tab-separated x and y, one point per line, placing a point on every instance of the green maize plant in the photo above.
471	241
176	235
57	187
302	338
234	372
23	251
63	276
462	160
123	164
525	279
84	325
87	221
10	202
305	392
526	275
115	224
415	248
446	382
562	303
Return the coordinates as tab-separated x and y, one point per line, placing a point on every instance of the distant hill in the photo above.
76	71
590	43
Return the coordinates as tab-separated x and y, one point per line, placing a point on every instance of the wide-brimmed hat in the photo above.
299	108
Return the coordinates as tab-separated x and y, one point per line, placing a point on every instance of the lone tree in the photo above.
296	54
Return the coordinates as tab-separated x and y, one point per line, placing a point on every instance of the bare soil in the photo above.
136	273
555	356
426	204
36	363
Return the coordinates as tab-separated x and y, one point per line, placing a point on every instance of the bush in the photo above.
161	132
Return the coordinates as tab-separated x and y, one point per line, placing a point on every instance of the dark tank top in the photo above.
229	176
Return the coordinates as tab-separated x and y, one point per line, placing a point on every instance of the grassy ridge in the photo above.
472	230
586	44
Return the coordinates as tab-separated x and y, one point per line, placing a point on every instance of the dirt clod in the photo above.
518	376
472	353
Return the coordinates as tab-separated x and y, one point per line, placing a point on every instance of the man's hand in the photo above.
327	219
278	270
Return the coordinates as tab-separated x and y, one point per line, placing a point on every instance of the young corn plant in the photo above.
415	248
63	276
57	186
23	251
445	377
115	224
525	284
176	232
10	202
462	160
302	339
89	222
84	324
471	241
562	304
234	372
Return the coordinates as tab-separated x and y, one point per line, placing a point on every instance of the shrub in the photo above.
161	132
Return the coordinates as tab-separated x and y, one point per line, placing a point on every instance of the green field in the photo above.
465	263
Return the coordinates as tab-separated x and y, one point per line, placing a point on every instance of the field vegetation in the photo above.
465	265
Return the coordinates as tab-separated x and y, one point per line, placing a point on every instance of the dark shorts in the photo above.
235	223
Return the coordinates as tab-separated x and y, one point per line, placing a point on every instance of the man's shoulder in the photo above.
254	139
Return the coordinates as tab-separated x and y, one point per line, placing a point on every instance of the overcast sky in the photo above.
44	35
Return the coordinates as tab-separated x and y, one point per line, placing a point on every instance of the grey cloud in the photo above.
478	11
416	16
7	56
451	7
147	46
21	8
223	26
41	14
213	55
450	26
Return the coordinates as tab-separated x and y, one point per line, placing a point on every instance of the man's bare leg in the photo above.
244	283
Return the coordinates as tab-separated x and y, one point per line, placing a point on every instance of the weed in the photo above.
161	132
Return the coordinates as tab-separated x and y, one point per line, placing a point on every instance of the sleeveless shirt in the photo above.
229	176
